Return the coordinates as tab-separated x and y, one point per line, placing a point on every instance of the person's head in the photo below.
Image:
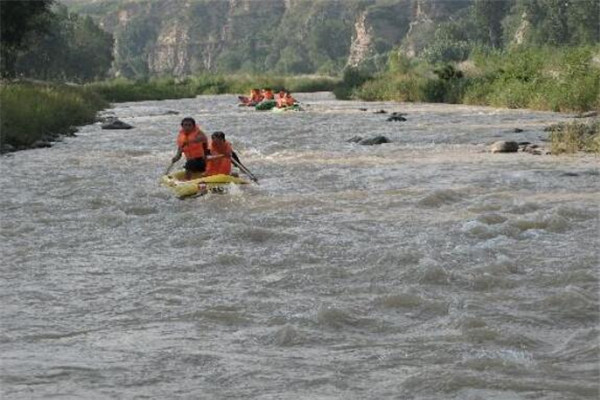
267	89
188	124
288	94
218	136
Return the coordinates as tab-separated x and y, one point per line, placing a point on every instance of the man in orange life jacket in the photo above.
255	96
192	142
219	161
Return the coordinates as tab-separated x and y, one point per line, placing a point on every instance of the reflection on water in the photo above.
423	268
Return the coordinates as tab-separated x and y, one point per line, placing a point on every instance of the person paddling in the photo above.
255	97
219	160
192	142
289	100
267	94
280	99
285	99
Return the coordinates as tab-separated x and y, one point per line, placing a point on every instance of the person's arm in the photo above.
214	156
177	155
203	139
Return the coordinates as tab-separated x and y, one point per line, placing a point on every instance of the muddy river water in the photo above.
424	268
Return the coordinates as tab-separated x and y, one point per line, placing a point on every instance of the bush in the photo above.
352	79
30	112
574	137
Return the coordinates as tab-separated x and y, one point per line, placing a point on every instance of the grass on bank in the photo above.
547	79
565	80
29	112
121	90
574	137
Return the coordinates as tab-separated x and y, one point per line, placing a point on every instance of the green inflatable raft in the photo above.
265	105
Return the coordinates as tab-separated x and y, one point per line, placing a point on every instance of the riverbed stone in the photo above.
504	147
374	140
588	114
116	124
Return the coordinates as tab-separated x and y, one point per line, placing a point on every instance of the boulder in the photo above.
374	140
397	116
504	147
116	124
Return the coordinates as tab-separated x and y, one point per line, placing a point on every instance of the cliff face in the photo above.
180	37
361	46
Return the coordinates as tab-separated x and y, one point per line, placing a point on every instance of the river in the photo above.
424	268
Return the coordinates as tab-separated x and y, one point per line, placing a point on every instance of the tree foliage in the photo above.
19	20
489	15
562	22
72	48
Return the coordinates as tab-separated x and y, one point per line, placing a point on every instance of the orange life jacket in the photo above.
220	165
290	101
281	101
189	145
268	95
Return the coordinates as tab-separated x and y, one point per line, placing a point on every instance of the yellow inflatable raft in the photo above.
199	185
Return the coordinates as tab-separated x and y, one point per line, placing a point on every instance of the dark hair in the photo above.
188	119
218	135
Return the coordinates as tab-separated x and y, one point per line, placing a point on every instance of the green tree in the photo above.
292	60
133	45
331	38
72	48
584	21
489	15
18	21
562	22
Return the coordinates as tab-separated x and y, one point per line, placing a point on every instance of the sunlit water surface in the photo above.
426	268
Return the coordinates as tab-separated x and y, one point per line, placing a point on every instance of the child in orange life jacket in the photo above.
219	161
192	142
280	99
285	99
289	100
267	94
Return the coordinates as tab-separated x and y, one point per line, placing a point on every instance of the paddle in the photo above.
236	161
169	168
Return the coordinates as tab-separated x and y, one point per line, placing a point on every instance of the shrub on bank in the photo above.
574	137
30	112
565	79
120	90
35	110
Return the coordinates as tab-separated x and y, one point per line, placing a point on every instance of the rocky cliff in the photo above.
181	37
